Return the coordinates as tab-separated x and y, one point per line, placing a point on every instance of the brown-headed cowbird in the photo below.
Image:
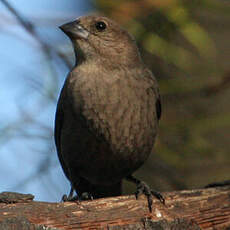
108	110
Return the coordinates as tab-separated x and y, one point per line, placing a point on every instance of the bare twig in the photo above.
30	28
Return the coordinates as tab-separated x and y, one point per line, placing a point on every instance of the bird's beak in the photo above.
74	30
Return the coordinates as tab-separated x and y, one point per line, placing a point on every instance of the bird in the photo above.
108	111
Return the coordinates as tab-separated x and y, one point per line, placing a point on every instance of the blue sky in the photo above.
26	79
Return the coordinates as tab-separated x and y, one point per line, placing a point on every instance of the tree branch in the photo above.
188	209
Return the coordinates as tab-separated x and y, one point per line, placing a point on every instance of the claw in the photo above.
158	196
86	196
64	198
70	197
143	188
150	203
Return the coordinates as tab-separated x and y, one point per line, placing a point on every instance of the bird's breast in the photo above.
120	110
113	127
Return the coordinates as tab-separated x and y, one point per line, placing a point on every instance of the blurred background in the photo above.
185	44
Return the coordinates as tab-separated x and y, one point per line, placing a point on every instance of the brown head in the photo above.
101	39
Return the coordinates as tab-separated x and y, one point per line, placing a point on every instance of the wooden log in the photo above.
191	209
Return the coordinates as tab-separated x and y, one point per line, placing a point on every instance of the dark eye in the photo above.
100	26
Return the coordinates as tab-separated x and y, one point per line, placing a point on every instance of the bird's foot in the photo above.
143	188
70	197
66	198
86	196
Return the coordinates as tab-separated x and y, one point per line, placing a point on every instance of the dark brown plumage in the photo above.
108	110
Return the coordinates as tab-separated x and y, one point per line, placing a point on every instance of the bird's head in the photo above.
99	38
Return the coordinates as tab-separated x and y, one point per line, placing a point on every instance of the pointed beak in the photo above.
74	30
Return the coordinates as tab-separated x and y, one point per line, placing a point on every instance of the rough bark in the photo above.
192	209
